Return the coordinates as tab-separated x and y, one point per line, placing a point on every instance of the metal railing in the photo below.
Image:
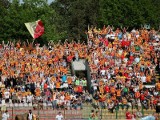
47	113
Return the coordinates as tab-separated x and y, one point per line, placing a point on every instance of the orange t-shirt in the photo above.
137	94
148	78
101	83
38	92
11	90
113	90
113	98
140	86
69	80
101	89
102	97
23	94
118	93
58	84
75	89
68	97
124	101
158	86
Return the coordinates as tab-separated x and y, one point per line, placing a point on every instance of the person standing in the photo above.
32	85
30	115
5	115
59	116
92	115
7	95
97	115
54	101
84	84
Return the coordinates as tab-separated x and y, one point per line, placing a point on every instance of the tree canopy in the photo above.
69	19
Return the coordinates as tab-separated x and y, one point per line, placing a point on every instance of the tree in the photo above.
76	15
70	18
131	13
15	14
4	6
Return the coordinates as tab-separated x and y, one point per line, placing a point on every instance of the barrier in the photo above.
49	114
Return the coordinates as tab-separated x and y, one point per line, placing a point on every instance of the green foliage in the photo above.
70	18
130	13
76	15
12	19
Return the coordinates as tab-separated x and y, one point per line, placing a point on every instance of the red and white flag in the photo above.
36	29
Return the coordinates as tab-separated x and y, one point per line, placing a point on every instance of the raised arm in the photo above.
27	42
33	41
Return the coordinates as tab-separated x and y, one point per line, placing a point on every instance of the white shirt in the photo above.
137	60
30	116
125	60
0	83
5	116
29	98
51	85
59	101
62	97
73	96
108	36
143	79
102	72
96	61
155	93
95	87
136	89
105	80
120	52
6	94
65	85
3	102
59	117
112	36
133	31
109	75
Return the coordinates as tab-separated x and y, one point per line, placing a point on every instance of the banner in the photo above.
36	29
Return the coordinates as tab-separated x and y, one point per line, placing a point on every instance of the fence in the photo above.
47	113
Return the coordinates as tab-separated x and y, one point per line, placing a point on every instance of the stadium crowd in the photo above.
122	63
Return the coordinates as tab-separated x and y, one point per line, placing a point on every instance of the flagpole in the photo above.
33	42
87	40
87	36
88	27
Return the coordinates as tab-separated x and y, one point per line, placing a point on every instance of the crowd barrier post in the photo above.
101	113
12	112
38	110
64	113
142	110
116	112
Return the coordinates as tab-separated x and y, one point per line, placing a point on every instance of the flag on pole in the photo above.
36	29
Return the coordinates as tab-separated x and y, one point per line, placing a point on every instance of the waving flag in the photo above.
36	29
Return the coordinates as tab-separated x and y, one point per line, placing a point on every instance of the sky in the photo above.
49	1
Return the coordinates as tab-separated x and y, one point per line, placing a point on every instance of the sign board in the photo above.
79	65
